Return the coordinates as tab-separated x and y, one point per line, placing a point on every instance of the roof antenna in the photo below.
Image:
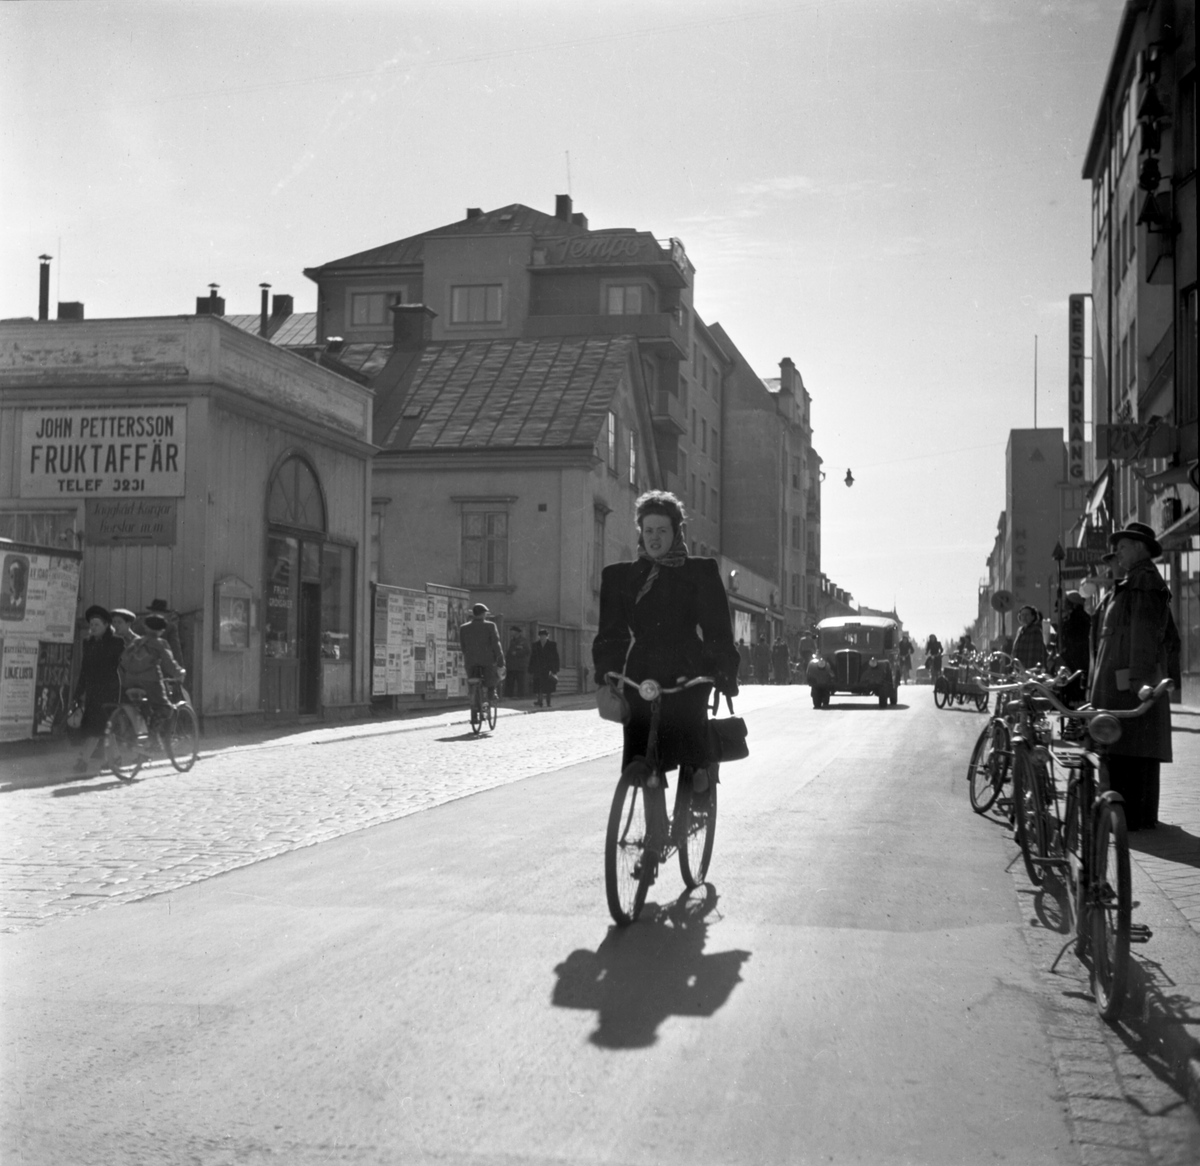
568	154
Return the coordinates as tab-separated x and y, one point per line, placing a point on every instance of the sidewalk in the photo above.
32	763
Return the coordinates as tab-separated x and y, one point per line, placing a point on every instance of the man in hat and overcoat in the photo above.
544	666
1135	642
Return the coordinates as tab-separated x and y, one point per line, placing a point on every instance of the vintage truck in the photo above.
858	654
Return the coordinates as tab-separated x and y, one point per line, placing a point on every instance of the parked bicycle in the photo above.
641	836
131	733
1088	841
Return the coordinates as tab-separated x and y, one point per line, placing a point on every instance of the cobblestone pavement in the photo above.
81	845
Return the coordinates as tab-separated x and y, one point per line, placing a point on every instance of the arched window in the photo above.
296	496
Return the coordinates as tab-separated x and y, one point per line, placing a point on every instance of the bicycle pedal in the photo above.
1140	933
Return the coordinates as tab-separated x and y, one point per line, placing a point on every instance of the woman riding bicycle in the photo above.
665	617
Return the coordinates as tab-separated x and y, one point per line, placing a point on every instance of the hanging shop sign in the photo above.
103	451
146	522
1076	387
1133	440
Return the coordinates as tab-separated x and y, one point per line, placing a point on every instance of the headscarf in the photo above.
676	556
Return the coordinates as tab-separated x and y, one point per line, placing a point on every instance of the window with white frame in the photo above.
611	440
476	304
485	548
633	466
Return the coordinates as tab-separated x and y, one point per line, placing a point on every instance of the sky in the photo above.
887	191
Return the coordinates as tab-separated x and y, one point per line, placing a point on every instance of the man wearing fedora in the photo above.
1136	644
482	654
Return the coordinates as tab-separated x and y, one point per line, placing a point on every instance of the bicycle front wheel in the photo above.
988	766
183	738
121	743
941	695
626	877
696	827
1110	906
1029	815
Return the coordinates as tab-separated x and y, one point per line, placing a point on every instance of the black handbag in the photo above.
727	735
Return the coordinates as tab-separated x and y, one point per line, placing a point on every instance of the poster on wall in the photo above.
52	691
18	681
458	612
39	588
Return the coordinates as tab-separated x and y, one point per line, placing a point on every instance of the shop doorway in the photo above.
308	641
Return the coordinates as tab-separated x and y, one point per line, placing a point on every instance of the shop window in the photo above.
485	549
283	565
44	528
337	604
295	498
476	304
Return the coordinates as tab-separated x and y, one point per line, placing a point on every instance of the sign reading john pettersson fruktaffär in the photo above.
103	451
1076	324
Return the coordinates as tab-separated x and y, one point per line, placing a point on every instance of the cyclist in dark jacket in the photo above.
480	643
650	611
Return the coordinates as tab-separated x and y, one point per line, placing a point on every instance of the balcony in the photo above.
657	332
668	413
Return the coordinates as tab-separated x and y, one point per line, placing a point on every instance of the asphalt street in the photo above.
393	947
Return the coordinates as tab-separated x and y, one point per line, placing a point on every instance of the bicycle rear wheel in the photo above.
981	701
490	709
476	713
988	766
696	826
1029	815
183	738
941	694
626	877
122	753
1110	907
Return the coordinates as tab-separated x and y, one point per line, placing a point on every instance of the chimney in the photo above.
73	311
211	304
412	326
787	375
262	311
473	212
579	219
281	307
562	207
44	288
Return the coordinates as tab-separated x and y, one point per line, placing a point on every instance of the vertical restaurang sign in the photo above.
1076	324
103	451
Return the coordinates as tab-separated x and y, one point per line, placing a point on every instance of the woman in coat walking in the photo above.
98	686
1029	644
650	611
1137	644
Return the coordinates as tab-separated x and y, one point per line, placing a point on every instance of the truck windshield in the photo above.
858	639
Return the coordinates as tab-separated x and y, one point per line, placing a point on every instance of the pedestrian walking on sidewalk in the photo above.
781	662
98	686
1029	644
762	661
1137	645
518	665
543	667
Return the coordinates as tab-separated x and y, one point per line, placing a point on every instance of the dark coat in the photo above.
99	682
1073	645
544	666
1134	636
659	636
518	654
1028	647
762	661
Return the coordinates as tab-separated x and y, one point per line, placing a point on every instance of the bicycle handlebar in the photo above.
652	689
1087	714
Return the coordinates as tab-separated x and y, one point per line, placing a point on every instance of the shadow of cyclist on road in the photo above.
642	974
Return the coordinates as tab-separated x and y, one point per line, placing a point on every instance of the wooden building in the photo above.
207	468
